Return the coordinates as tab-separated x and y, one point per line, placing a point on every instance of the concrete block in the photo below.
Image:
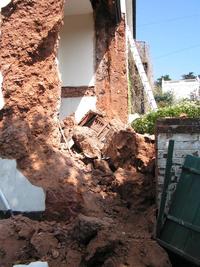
16	192
187	145
34	264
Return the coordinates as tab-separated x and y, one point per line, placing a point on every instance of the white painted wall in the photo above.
75	7
123	6
76	51
182	88
19	193
4	3
78	105
34	264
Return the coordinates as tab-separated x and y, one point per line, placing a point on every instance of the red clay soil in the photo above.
111	85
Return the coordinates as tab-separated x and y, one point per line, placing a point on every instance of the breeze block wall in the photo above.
186	134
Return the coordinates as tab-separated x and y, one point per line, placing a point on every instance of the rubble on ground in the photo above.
106	215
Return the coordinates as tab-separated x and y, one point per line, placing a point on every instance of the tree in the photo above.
190	75
162	99
163	77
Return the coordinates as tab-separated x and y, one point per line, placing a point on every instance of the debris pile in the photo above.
112	222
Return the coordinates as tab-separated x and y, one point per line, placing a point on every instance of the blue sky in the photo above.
172	29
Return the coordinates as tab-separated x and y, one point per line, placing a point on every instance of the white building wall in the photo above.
16	192
76	50
4	3
182	88
78	105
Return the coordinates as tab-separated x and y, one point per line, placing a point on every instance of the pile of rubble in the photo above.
101	212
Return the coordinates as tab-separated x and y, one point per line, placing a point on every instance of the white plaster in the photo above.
4	3
123	6
129	14
76	51
78	105
133	117
34	264
76	7
19	193
2	103
182	89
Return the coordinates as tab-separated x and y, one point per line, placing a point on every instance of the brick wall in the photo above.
186	134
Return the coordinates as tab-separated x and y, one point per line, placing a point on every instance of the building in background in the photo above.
183	89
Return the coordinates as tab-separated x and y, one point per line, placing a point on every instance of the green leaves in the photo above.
146	124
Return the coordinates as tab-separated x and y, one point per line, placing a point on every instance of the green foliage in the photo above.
146	124
190	75
163	77
164	99
161	98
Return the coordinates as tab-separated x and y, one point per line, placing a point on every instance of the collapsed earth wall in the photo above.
29	129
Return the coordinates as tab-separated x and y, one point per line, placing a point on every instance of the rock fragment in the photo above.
86	228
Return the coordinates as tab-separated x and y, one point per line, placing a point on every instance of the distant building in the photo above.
183	89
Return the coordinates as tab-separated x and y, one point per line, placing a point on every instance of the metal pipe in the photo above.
4	200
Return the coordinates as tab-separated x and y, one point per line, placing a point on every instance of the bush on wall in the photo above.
146	124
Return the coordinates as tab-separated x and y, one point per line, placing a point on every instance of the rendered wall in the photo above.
182	89
19	193
77	105
76	50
